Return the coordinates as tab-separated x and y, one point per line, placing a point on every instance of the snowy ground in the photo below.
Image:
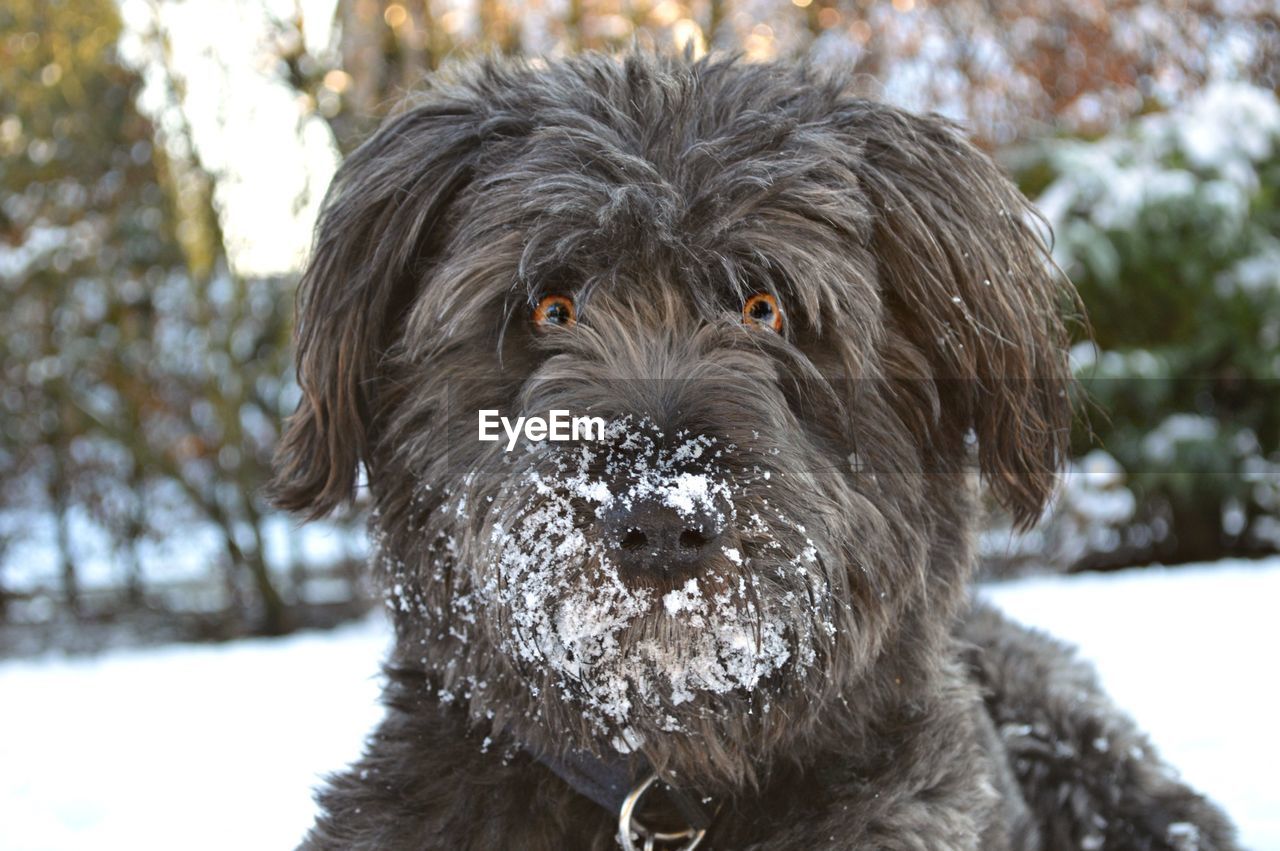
1190	653
217	747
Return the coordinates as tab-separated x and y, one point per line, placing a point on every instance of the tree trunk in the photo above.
135	525
715	18
275	614
60	500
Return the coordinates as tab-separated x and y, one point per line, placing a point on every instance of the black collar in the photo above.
610	780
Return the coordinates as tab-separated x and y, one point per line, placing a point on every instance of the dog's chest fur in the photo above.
934	778
1041	761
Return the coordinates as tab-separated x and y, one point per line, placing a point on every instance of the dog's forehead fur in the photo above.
717	182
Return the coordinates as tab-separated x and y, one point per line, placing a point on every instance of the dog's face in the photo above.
793	311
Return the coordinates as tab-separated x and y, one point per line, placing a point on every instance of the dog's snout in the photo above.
648	536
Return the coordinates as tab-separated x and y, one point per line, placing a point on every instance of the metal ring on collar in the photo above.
629	825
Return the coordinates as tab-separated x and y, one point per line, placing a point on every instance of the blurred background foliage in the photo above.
161	161
1169	225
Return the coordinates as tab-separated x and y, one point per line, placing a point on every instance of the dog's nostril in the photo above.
649	537
634	539
692	539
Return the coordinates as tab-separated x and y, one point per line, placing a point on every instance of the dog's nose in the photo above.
652	537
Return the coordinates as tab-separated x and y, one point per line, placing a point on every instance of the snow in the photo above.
31	564
219	746
188	746
593	633
1208	156
1161	443
1187	652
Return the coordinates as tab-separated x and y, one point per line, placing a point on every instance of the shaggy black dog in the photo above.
802	319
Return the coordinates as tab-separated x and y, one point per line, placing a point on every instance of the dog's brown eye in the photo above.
554	310
762	310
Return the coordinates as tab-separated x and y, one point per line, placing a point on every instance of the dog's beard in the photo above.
637	658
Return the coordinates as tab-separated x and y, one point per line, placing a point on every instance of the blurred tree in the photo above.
1171	230
82	226
143	381
1012	70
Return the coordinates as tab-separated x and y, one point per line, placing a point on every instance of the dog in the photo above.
737	614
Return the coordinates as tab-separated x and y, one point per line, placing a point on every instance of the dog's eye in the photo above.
554	310
762	310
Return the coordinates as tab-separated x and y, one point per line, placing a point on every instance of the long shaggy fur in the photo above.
923	337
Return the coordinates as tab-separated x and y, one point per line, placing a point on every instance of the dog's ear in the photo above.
969	282
379	227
